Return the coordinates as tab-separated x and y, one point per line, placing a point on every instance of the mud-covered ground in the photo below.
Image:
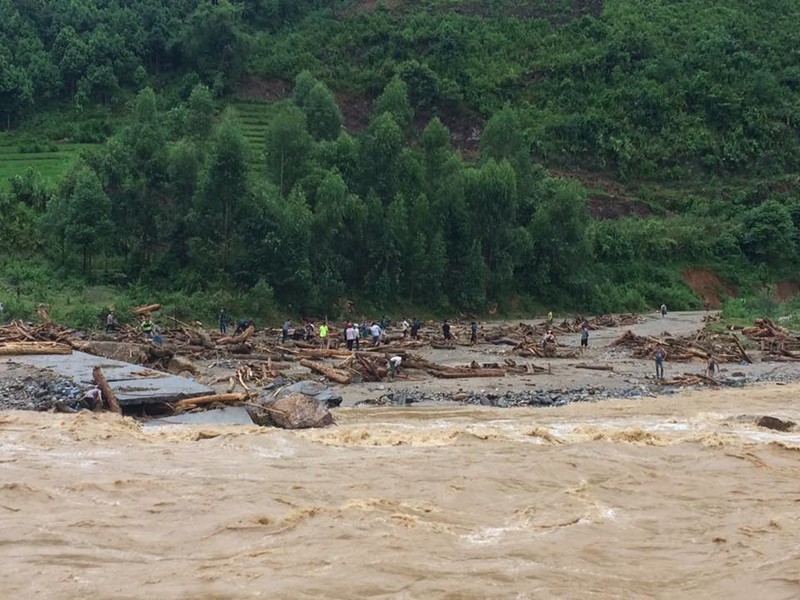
561	384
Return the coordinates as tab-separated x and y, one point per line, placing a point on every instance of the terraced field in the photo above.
49	159
52	160
254	118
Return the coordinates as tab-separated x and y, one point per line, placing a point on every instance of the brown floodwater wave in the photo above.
679	497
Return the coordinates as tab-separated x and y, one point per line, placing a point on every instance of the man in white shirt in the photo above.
394	366
376	332
406	328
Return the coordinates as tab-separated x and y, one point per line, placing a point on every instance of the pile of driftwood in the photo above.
724	348
778	342
17	331
687	379
527	340
372	366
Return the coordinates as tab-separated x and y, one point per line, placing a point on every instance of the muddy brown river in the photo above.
679	497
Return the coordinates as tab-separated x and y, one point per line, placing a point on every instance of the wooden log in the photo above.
702	378
369	368
506	341
329	372
739	346
459	373
109	398
321	353
596	367
237	339
146	309
188	403
20	348
443	345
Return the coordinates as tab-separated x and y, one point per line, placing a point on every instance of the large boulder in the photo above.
295	411
314	389
775	423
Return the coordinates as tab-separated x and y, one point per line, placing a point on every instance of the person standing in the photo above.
473	333
660	356
350	336
415	327
111	321
324	342
287	325
584	336
375	331
405	327
663	310
446	331
223	321
357	336
550	319
147	327
711	367
157	339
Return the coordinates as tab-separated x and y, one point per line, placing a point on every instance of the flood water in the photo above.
680	497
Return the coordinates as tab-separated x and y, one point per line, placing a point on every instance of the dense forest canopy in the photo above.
440	153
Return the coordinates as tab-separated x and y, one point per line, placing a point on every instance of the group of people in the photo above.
660	357
225	321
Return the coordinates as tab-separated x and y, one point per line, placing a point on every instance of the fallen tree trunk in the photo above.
237	339
739	346
19	348
188	403
146	309
596	367
329	372
109	398
457	374
322	353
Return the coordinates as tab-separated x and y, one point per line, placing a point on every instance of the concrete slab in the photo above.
230	415
132	384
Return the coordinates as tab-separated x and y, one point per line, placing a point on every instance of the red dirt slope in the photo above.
708	286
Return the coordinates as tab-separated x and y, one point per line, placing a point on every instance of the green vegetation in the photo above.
444	155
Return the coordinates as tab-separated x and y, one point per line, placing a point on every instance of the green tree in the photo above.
303	84
218	203
88	217
322	113
380	147
768	234
213	42
491	193
504	138
277	235
394	101
562	247
288	148
200	116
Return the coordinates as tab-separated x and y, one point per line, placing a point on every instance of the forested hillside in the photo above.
443	154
